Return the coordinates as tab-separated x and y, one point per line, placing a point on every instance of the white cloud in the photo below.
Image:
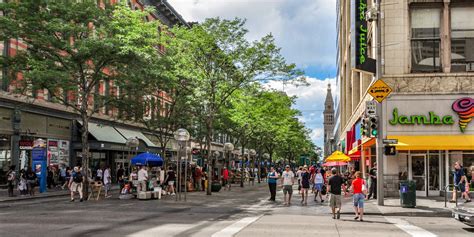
305	29
310	101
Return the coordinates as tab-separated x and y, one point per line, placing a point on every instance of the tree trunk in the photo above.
85	151
210	168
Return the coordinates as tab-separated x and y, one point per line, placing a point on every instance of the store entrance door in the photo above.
417	173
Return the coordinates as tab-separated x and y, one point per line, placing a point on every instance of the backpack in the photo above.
77	178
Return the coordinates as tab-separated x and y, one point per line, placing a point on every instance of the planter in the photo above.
216	187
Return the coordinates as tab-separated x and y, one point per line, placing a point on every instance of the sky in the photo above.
304	29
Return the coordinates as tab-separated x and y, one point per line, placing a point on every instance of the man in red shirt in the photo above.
225	178
197	178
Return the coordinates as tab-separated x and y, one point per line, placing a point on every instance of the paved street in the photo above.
240	212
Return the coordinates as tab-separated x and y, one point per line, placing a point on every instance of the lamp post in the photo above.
182	136
266	156
132	143
245	153
216	155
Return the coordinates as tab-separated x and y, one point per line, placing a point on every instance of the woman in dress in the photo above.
305	180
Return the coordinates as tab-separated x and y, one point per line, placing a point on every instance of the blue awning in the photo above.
147	159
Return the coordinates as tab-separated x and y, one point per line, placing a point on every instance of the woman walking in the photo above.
318	185
31	181
272	183
359	191
305	177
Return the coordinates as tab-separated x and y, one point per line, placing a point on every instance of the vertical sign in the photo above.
359	37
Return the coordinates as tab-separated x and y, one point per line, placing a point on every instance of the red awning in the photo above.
355	156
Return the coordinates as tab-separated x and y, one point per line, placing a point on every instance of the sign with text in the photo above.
379	90
359	39
371	108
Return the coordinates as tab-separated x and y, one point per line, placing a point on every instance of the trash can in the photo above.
407	193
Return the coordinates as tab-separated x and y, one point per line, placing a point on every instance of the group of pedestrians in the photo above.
332	189
25	181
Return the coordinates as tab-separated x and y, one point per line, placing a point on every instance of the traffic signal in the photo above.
364	127
374	126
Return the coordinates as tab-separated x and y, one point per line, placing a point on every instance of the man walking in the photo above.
288	180
76	183
142	178
272	182
335	184
197	178
373	182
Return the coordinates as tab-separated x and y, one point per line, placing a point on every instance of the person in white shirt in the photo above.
99	174
288	180
318	185
142	178
107	181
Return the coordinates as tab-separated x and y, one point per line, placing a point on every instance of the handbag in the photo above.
323	190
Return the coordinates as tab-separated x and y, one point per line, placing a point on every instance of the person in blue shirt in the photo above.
460	182
272	183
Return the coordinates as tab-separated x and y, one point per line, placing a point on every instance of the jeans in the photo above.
373	188
272	187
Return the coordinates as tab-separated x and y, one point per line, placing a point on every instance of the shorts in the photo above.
461	187
335	200
358	200
170	183
76	187
287	189
107	186
318	187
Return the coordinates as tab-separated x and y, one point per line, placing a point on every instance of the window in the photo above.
462	39
425	39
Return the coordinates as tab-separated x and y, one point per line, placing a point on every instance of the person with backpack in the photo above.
76	182
11	180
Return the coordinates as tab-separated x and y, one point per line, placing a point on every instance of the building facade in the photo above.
427	59
24	121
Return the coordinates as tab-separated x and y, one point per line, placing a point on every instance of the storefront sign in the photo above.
464	107
430	119
429	115
359	40
26	144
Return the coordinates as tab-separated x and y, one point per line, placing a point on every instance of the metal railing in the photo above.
446	194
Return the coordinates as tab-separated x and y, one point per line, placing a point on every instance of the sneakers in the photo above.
467	201
72	200
338	215
81	200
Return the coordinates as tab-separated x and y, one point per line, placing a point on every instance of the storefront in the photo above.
6	132
433	131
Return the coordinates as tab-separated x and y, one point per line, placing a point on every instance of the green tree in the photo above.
217	59
73	47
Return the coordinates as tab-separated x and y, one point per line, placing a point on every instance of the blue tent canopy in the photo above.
147	159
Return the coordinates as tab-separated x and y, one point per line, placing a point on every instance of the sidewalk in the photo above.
55	192
425	207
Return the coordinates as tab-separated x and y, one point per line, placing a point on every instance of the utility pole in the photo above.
380	135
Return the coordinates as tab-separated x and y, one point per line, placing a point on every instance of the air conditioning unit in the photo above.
371	14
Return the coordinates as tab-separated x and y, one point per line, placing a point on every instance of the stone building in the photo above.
328	122
427	58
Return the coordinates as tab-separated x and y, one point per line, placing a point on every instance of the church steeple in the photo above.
328	121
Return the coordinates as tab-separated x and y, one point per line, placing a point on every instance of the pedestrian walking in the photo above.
305	180
11	180
76	182
460	183
373	182
359	190
272	183
22	186
31	181
318	182
142	179
62	176
170	180
99	174
335	184
49	177
68	177
107	182
197	178
121	177
298	177
225	178
288	180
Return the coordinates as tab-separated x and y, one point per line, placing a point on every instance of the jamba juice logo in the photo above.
464	107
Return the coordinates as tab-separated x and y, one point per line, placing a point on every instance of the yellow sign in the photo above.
379	90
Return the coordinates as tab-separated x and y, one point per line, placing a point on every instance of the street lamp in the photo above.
266	156
182	136
228	147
